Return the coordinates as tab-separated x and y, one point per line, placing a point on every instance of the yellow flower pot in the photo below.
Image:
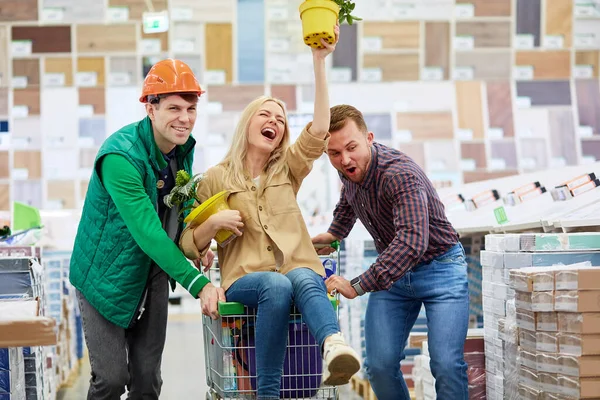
211	206
318	19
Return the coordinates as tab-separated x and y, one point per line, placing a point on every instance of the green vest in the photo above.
107	265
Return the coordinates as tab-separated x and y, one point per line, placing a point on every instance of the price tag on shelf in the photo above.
402	136
19	82
468	164
585	10
585	131
278	45
215	77
523	102
404	11
55	142
525	133
583	71
54	79
500	215
85	110
182	13
432	74
279	76
464	10
20	173
371	75
341	74
554	41
183	46
119	78
497	164
150	46
117	14
463	73
21	142
524	42
464	42
20	111
528	163
585	160
86	79
278	13
372	43
464	134
52	14
524	72
437	165
584	40
54	204
21	48
495	133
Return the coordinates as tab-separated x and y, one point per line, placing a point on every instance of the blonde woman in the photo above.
273	263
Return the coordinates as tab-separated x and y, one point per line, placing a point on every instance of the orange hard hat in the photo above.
170	76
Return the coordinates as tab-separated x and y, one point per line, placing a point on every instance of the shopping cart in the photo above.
230	351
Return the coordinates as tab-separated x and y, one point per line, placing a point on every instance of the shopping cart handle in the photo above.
335	244
231	308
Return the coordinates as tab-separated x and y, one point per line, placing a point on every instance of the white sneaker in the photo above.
341	361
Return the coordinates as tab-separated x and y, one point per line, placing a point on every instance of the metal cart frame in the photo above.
230	353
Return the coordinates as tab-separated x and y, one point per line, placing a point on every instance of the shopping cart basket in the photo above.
230	352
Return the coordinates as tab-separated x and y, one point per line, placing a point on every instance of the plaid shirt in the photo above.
400	208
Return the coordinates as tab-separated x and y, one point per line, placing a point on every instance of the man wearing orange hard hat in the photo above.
125	253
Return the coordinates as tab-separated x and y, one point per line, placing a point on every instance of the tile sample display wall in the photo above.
471	89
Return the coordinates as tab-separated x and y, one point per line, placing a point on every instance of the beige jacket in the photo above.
275	237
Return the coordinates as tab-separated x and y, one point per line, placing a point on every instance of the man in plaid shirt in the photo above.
420	259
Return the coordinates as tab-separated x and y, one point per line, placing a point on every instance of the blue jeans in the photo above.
442	287
273	294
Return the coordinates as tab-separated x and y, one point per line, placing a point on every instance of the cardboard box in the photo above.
547	341
528	340
584	323
577	300
21	325
576	344
548	382
579	366
528	393
547	362
528	358
547	322
35	331
580	388
578	279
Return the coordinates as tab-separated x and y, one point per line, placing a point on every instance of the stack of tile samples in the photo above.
510	322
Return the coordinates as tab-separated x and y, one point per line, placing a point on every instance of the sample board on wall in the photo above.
471	89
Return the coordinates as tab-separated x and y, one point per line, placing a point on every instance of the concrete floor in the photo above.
183	367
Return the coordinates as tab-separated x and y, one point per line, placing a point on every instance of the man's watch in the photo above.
356	285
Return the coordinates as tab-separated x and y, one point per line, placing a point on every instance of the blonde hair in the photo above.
235	159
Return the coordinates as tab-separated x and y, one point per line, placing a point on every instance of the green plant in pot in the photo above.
319	17
184	195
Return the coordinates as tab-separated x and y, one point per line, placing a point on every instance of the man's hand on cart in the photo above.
210	296
336	283
323	243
